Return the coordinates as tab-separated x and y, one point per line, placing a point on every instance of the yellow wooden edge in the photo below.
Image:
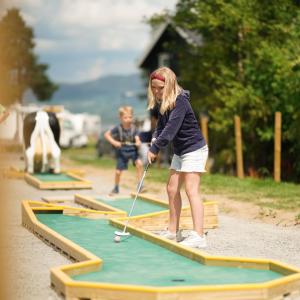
150	198
82	184
48	206
163	203
90	256
72	174
92	200
159	201
35	222
95	204
40	203
119	222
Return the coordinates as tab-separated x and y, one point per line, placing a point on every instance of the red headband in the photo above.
157	76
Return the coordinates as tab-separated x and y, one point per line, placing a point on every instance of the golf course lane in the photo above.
54	177
139	262
141	206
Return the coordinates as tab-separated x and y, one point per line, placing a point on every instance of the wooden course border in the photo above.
17	173
87	262
157	220
78	183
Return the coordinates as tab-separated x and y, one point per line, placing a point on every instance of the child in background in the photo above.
125	139
178	124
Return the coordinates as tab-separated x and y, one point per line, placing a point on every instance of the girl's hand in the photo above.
152	141
151	157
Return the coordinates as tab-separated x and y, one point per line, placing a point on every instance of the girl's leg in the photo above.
192	182
173	190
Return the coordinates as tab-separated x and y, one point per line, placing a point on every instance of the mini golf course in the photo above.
143	265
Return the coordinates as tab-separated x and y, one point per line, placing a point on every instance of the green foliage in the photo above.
248	65
19	67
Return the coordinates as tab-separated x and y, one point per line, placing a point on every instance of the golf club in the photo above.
119	234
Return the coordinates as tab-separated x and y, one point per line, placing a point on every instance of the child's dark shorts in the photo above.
123	155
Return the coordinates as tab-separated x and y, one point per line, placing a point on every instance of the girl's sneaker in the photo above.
194	240
171	236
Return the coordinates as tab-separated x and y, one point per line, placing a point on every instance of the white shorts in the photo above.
191	162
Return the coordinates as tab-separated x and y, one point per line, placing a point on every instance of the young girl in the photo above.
177	123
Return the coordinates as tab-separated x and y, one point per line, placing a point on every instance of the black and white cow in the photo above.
41	133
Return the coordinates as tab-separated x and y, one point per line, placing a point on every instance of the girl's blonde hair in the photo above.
125	110
170	92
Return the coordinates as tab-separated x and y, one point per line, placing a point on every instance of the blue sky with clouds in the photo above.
84	39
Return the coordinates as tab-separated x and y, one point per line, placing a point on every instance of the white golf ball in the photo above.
117	239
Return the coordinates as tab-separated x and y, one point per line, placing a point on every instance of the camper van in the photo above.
77	128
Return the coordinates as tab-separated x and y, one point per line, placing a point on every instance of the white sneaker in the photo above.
194	240
171	236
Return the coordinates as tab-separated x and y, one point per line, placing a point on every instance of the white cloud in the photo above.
114	23
68	29
93	13
45	45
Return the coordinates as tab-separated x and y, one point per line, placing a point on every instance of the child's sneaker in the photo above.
194	240
114	191
171	236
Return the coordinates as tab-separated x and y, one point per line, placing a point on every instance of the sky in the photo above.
82	40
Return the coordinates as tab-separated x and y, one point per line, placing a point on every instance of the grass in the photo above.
88	156
263	192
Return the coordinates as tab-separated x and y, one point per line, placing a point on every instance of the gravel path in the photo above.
28	259
244	238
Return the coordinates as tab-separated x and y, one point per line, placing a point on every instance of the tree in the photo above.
19	66
248	65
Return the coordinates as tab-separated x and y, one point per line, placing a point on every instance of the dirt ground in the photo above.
245	230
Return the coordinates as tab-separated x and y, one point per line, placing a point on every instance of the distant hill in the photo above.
102	96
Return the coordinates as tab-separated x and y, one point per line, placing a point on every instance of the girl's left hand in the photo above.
151	157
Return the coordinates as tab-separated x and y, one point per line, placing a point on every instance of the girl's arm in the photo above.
174	123
137	141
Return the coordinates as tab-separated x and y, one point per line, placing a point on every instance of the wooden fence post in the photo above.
238	146
277	147
204	129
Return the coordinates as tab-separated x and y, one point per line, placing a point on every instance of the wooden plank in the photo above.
78	183
277	148
238	147
97	205
204	127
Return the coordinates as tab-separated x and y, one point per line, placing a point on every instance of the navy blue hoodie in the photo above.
178	125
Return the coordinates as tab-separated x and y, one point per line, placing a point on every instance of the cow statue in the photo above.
41	133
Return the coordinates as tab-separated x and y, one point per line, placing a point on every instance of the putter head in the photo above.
121	233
